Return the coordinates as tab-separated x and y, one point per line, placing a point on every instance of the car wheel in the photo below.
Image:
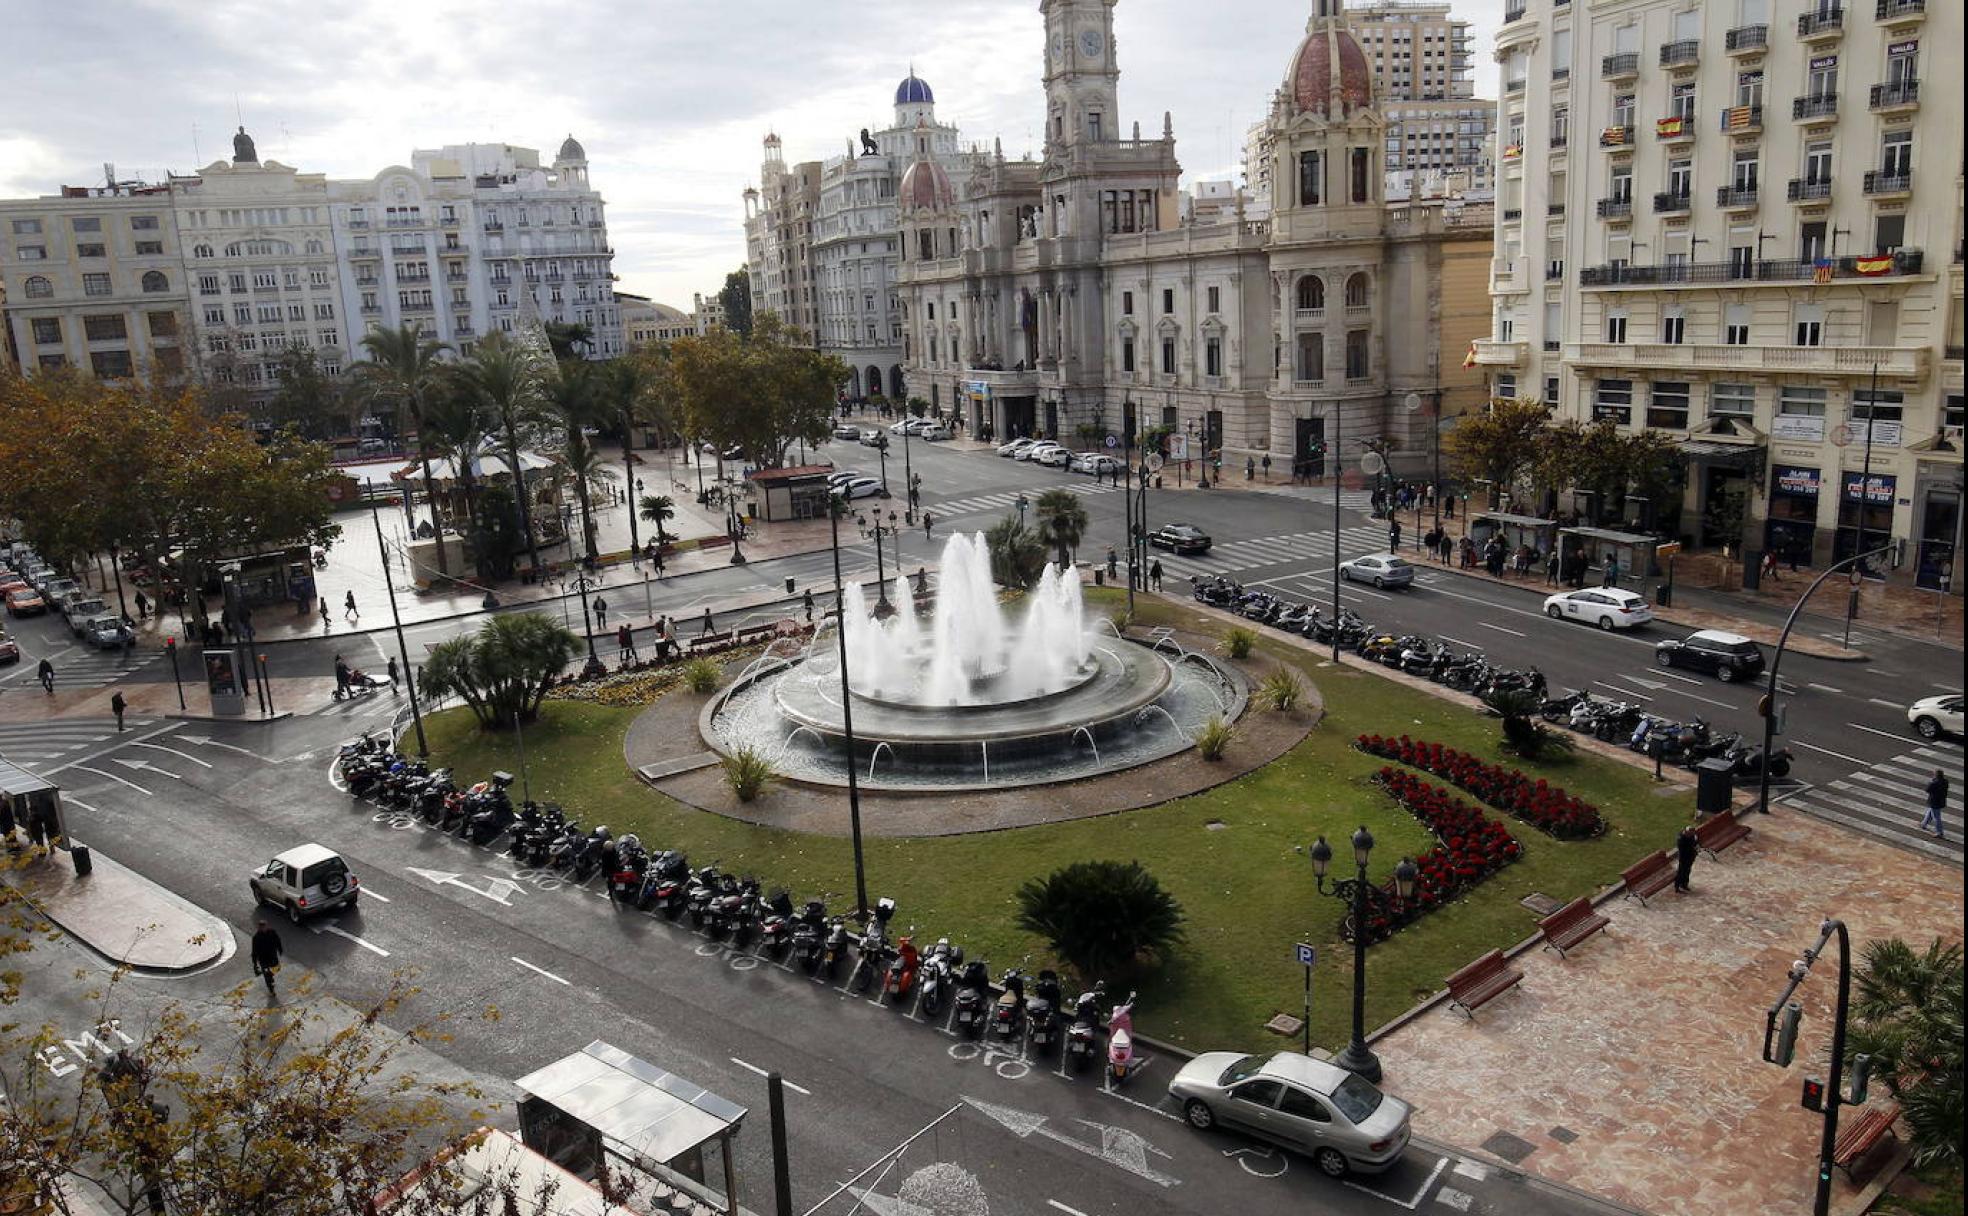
1331	1162
1725	673
1926	728
259	901
1663	658
1606	623
1200	1116
1554	612
1379	583
294	912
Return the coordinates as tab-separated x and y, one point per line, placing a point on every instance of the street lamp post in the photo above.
908	477
735	525
834	508
582	585
1358	1057
171	648
1780	1026
876	531
881	450
396	619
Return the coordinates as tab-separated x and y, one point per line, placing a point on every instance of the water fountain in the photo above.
979	694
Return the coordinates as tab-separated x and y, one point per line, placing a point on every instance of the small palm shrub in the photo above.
1214	738
1101	916
702	676
747	772
1237	643
1281	691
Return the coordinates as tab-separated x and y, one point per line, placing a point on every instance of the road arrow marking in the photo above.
498	890
158	747
1119	1146
345	935
112	776
207	741
1653	684
144	766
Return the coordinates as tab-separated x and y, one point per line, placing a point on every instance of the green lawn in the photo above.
1246	884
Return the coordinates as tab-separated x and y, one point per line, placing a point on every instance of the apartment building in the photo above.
779	221
1741	225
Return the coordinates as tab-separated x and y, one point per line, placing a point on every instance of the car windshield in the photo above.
1356	1098
1395	563
1248	1066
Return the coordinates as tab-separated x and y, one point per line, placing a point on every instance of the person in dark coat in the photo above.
1937	792
267	950
117	706
341	678
708	625
1686	846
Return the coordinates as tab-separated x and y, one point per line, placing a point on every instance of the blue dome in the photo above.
914	91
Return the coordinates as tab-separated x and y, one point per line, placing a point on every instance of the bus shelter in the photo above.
603	1103
30	809
1515	531
1636	551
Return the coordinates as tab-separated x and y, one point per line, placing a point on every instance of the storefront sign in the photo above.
1792	480
1797	453
1798	426
1879	491
978	389
1824	62
1904	48
1884	434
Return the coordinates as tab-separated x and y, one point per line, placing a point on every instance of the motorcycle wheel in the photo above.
1780	767
932	1004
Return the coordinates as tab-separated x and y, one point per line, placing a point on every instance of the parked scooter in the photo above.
873	948
809	936
1042	1013
776	927
1084	1034
1120	1041
900	982
938	972
1008	1020
973	990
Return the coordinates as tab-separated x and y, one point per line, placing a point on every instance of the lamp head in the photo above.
1404	877
1363	843
1321	854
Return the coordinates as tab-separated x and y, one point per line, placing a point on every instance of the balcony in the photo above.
1897	97
1682	54
1618	210
406	221
1907	362
1501	354
1560	140
1736	198
1900	12
359	225
1746	40
1620	67
361	252
503	306
371	281
1513	88
421	306
1675	128
1514	14
1809	190
457	276
494	226
1881	184
1671	202
1815	109
1556	207
448	220
372	310
1742	120
412	277
1512	214
1824	25
462	329
1616	137
1777	271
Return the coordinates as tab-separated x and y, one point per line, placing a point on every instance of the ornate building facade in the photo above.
779	220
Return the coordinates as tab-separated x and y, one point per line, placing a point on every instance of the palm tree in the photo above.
572	403
403	369
569	339
1907	1016
1061	520
461	426
506	378
659	509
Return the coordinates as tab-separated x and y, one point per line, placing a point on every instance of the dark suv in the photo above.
1730	656
1180	538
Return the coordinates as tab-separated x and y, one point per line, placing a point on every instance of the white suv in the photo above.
304	880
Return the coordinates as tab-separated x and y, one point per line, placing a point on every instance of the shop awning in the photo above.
1727	455
633	1103
1512	521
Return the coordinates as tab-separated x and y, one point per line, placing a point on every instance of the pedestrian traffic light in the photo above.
1814	1094
1793	1017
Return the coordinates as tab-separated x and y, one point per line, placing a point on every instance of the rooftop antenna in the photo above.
196	157
237	112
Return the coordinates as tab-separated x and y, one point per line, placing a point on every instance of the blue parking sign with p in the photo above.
1307	955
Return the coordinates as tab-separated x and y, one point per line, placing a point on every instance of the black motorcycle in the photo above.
1042	1013
973	995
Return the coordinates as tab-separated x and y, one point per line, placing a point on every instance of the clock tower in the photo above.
1082	75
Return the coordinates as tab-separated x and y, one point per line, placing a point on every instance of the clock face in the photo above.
1058	48
1090	44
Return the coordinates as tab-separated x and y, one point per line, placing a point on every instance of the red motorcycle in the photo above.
901	980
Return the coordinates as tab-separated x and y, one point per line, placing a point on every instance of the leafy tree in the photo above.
1727	512
658	509
574	405
308	400
759	394
461	427
1522	732
1101	916
736	297
1497	445
504	669
405	369
506	377
1018	556
494	541
1062	522
569	339
1908	1016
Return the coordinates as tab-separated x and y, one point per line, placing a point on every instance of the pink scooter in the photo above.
1120	1040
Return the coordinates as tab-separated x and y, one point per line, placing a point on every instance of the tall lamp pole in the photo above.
877	530
402	647
835	506
1358	1057
582	585
1865	505
1338	483
1127	495
1780	1027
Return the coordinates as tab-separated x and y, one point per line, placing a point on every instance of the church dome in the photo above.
926	187
914	91
1330	56
571	149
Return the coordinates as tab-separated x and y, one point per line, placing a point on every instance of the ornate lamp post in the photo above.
876	531
582	585
1358	1057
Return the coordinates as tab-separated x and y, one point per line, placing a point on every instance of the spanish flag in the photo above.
1882	264
1668	128
1469	360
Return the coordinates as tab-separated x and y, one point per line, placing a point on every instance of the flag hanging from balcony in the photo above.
1821	270
1739	118
1613	137
1469	360
1668	128
1881	264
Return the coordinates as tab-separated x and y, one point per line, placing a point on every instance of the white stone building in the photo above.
644	321
779	222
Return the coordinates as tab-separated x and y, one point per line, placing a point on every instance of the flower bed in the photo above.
1544	806
1471	847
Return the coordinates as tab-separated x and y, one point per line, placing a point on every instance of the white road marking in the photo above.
112	776
344	934
1824	688
1475	1171
1706	700
205	741
168	726
370	893
1664	674
1460	642
1884	734
766	1073
542	970
1827	751
1887	704
1410	1204
1500	629
145	766
1054	1203
1623	690
158	747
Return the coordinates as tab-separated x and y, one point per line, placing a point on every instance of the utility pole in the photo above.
1338	481
834	506
1865	505
402	647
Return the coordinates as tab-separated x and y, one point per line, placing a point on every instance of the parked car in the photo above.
872	437
25	602
13	582
844	431
934	432
841	477
1095	463
54	587
1054	457
305	880
1016	446
1039	449
1338	1118
80	609
1380	569
1730	656
910	426
1605	607
861	487
1181	538
106	631
9	649
1933	717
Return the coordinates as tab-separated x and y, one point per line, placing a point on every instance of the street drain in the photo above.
1508	1147
1563	1135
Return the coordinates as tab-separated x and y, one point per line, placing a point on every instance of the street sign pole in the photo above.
1307	955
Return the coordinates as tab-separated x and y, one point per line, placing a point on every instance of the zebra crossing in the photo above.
1229	557
83	667
1008	499
1888	799
41	742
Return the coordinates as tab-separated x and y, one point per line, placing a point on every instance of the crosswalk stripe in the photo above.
1887	800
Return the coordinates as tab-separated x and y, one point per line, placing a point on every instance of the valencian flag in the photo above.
1668	128
1469	360
1741	117
1613	137
1821	270
1880	264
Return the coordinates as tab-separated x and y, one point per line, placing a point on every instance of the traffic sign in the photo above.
1373	463
1154	462
1113	441
1307	955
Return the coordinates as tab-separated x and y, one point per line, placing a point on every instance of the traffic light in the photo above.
1793	1017
1814	1094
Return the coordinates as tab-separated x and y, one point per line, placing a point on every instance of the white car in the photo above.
908	426
1053	457
1933	717
933	431
845	431
872	437
1095	463
1037	450
861	487
305	880
1601	606
1016	446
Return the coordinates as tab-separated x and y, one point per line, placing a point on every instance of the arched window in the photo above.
154	281
314	247
201	251
38	287
1356	291
1311	293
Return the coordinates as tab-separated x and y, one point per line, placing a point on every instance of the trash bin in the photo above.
1714	785
789	586
1752	569
1663	595
84	864
1099	578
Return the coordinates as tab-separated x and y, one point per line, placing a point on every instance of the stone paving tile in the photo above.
1647	1041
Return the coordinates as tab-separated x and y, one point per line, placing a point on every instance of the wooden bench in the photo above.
1719	831
1854	1150
705	643
755	633
1570	925
1482	982
1648	876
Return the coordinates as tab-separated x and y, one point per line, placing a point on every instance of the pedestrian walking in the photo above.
116	706
625	642
326	625
1686	846
341	678
348	608
929	521
267	950
806	602
46	674
1937	792
1551	567
922	581
601	611
143	607
1611	578
1770	565
394	675
1155	574
1394	536
1113	563
708	625
1250	468
1267	468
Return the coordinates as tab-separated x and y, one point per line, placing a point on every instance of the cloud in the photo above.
670	99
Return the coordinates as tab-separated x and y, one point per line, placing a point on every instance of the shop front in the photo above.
1868	514
1936	524
1792	530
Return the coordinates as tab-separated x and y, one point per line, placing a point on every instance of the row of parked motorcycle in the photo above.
731	908
1683	743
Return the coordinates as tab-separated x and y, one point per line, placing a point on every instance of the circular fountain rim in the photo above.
1079	679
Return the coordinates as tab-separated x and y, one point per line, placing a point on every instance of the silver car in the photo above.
1380	569
304	880
1338	1118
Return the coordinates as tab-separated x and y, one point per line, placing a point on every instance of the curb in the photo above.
217	930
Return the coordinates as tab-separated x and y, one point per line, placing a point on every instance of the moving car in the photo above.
78	610
9	649
844	431
1015	447
1096	464
305	880
1380	569
1933	717
1038	449
25	602
1181	538
933	432
1338	1118
106	631
1605	607
872	437
1730	656
910	426
861	487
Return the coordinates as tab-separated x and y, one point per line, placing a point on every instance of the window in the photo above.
1811	241
1168	356
52	361
1127	354
1258	1093
47	331
1357	290
1127	303
143	223
1358	365
1622	184
1168	301
27	227
1681	103
242	314
162	324
86	224
201	251
236	280
324	312
1674	327
1215	297
1742	173
1667	407
1901	59
1799	402
107	328
1896	154
1359	162
110	364
1615	327
1310	179
1613	399
91	250
1311	357
1623	110
1304	1106
155	281
1311	293
1735	325
95	285
1506	386
1680	178
1817	161
1808	325
1551	390
1213	357
215	316
1561	125
32	253
1889	233
1732	401
37	287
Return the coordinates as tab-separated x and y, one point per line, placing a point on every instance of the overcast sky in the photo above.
670	99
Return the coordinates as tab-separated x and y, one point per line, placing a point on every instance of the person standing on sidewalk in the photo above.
1937	792
1551	567
326	625
600	611
46	674
1155	574
394	675
1611	578
267	950
1686	846
116	706
708	625
143	607
806	602
348	604
929	521
1394	536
